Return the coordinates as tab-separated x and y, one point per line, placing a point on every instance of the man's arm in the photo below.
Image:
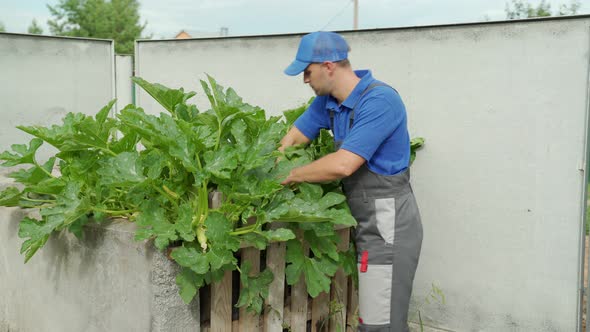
293	137
333	166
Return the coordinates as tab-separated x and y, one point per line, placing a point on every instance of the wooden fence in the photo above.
287	308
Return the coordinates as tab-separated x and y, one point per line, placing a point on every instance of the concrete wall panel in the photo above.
501	179
124	72
106	281
44	78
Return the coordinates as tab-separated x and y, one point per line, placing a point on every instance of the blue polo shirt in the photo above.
379	132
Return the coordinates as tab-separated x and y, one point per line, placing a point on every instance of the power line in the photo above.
338	14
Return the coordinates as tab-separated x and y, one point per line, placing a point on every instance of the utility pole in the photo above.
355	25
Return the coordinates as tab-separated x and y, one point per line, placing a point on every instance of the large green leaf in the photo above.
23	154
36	233
123	169
191	258
71	205
217	231
168	98
317	272
189	283
152	222
254	289
10	197
221	163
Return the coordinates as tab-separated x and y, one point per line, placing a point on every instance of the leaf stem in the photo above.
163	193
113	212
243	230
39	200
45	206
44	170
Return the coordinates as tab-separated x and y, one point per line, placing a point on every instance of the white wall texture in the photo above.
501	179
44	78
123	74
500	182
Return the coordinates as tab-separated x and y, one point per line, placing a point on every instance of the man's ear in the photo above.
329	65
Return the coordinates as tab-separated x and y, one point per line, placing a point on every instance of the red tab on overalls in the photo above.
364	261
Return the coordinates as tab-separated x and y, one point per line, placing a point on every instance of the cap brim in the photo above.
296	67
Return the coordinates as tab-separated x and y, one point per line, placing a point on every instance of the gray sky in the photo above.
247	17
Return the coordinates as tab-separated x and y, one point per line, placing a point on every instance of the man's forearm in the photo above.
331	167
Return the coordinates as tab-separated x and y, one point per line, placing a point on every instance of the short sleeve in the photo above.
313	119
376	118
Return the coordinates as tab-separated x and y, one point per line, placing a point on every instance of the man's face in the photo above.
316	76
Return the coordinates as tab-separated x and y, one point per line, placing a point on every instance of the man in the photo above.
368	120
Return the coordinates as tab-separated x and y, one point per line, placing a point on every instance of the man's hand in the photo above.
291	178
293	137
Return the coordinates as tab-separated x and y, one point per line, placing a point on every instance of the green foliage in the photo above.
435	295
115	19
34	28
254	288
165	187
519	9
571	9
2	27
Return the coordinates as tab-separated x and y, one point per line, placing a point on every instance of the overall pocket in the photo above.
385	218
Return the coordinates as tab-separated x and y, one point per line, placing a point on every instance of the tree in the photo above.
522	9
572	9
34	28
114	19
2	28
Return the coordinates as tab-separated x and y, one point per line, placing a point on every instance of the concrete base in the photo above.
105	282
416	328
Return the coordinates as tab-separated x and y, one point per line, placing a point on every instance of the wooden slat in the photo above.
299	297
353	305
275	262
319	313
221	304
221	297
339	288
248	320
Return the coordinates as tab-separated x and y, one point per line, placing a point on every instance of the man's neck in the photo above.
345	83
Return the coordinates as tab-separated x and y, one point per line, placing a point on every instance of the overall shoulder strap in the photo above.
367	89
370	87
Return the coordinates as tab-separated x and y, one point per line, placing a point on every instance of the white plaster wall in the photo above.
123	74
43	78
500	181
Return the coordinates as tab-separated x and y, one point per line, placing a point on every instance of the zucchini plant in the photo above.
158	172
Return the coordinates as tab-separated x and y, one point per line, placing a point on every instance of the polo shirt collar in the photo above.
355	95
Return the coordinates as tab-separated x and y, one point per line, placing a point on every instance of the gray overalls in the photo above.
388	241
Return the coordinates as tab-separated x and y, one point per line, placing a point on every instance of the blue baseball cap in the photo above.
318	47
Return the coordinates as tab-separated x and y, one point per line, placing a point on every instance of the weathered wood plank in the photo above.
320	309
221	304
339	289
299	308
248	320
275	262
221	292
352	318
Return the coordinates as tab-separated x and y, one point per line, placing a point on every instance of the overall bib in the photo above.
388	240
